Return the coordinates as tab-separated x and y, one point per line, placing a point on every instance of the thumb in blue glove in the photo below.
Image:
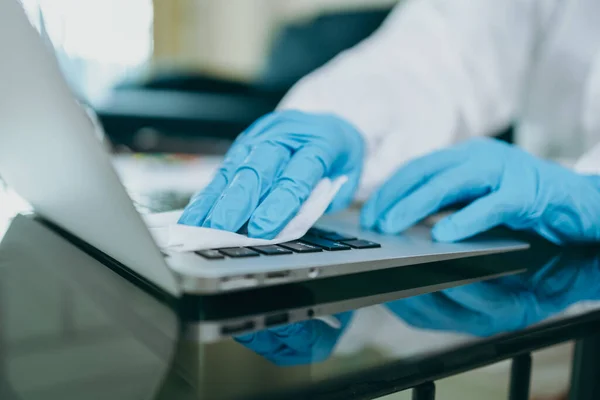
505	185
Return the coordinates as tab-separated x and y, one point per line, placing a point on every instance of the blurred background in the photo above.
189	75
177	80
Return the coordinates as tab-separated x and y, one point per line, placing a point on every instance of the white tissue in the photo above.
169	235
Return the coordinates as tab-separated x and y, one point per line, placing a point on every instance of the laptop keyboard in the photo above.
316	240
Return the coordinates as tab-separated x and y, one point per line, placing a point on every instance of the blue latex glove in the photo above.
299	343
273	167
506	185
505	304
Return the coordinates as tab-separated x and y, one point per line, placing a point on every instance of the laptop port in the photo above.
277	275
277	319
240	327
238	282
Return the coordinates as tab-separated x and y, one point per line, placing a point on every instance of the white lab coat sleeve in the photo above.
436	71
590	162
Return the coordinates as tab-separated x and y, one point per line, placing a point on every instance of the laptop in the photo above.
50	155
39	257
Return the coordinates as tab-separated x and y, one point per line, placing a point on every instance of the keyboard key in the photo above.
299	247
271	250
318	232
324	243
362	244
239	252
338	237
329	235
210	254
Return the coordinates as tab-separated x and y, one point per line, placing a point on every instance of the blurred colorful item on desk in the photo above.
168	172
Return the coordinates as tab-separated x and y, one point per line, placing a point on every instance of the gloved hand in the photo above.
506	304
273	167
299	343
507	186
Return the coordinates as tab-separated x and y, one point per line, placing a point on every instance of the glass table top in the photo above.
71	328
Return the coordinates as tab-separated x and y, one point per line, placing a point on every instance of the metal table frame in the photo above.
419	375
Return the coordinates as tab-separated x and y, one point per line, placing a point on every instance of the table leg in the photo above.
585	377
426	391
520	377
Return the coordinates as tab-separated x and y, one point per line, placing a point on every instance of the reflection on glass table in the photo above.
506	304
299	343
71	328
565	285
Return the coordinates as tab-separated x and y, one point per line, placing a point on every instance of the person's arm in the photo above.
437	71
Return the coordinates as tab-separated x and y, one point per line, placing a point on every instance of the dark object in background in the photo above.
171	112
302	48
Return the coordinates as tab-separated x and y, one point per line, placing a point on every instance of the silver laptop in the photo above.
37	257
50	155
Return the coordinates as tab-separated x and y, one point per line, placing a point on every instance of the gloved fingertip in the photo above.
394	223
273	215
367	226
373	217
445	231
196	211
220	223
336	205
183	217
383	227
367	218
388	227
264	225
367	223
188	219
207	222
229	215
192	216
257	231
215	225
247	338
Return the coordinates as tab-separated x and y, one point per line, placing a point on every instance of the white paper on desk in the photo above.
169	235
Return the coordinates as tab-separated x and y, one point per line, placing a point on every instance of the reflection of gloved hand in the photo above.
504	304
510	187
273	167
299	343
